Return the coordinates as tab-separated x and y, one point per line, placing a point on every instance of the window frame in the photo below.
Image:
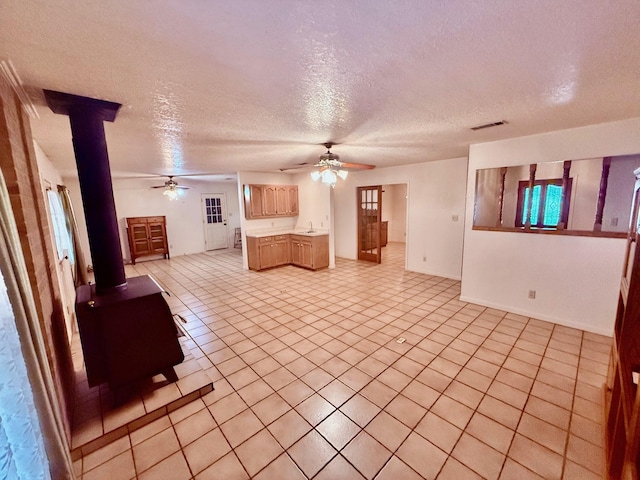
543	183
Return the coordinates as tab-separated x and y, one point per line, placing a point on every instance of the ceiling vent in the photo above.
489	125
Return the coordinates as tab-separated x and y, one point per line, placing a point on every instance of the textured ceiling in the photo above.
255	85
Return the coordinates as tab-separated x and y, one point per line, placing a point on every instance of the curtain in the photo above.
33	444
79	266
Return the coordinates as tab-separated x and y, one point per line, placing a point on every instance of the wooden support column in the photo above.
532	182
564	204
503	175
602	194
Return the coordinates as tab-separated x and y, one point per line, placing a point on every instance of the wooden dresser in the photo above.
147	236
622	399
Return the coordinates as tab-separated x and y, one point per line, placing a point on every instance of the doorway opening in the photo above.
381	227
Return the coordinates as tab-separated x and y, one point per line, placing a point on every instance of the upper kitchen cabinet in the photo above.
265	201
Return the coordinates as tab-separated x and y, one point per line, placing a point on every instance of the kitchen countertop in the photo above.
286	231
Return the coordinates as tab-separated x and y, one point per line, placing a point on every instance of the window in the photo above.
64	243
547	209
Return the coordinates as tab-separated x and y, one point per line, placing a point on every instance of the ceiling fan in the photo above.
171	188
330	167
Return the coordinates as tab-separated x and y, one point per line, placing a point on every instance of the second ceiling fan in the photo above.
171	188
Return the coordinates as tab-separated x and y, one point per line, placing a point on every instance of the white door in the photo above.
214	217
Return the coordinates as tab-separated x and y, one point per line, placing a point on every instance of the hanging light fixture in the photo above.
170	192
329	168
329	175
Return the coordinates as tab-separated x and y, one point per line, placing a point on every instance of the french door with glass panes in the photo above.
369	223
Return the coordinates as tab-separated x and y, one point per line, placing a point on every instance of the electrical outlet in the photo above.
424	259
454	218
532	294
321	224
614	222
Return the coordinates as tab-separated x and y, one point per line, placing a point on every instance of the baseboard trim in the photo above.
547	318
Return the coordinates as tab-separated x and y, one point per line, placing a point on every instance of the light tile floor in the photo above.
98	419
310	381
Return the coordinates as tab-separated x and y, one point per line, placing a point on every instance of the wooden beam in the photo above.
529	205
564	204
602	194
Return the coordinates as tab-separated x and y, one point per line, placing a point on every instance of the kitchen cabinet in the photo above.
292	199
268	201
287	200
281	249
254	207
268	252
384	233
275	250
147	236
301	251
622	405
310	251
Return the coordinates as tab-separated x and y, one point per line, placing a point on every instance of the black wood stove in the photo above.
126	328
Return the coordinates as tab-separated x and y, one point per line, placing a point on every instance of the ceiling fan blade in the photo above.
357	166
158	186
297	167
181	188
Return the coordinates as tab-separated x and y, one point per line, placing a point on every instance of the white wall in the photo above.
576	278
185	229
436	194
314	200
50	178
315	205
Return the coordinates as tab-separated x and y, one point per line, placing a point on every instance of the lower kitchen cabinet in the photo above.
275	250
268	252
280	255
310	252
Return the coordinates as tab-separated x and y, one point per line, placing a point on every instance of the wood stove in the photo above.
127	334
126	328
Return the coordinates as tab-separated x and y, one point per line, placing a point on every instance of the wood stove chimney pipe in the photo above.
90	146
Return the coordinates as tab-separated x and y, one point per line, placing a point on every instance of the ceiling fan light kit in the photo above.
171	193
329	168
